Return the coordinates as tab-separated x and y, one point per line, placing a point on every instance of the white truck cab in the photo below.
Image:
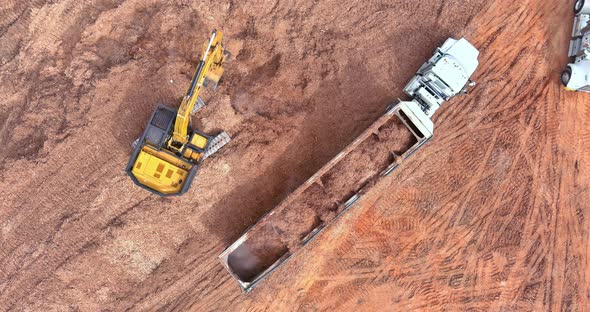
576	76
444	76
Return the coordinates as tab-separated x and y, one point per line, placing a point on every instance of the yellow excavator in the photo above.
167	156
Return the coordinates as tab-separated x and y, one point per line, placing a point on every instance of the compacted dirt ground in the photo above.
492	214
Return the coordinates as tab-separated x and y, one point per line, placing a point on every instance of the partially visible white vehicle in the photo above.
576	76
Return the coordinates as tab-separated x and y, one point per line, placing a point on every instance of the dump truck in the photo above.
402	130
169	153
576	76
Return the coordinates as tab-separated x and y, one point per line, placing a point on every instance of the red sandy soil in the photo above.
491	214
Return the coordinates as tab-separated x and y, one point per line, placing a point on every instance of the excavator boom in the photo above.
209	70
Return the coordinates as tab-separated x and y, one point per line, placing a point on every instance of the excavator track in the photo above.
217	143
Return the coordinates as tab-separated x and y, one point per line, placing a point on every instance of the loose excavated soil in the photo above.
491	214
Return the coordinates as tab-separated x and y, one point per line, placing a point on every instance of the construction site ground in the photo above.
492	214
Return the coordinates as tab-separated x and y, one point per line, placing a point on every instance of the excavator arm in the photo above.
209	71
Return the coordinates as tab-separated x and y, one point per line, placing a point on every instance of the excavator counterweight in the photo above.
167	156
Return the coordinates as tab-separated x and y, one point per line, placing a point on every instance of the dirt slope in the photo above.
492	214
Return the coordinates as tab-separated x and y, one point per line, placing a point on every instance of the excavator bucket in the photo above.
216	71
212	79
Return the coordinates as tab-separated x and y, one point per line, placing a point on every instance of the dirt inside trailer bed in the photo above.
491	214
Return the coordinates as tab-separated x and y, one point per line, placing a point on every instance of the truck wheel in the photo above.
578	6
566	76
581	7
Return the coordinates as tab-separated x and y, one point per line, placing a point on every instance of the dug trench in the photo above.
295	221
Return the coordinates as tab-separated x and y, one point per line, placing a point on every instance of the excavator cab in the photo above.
168	155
